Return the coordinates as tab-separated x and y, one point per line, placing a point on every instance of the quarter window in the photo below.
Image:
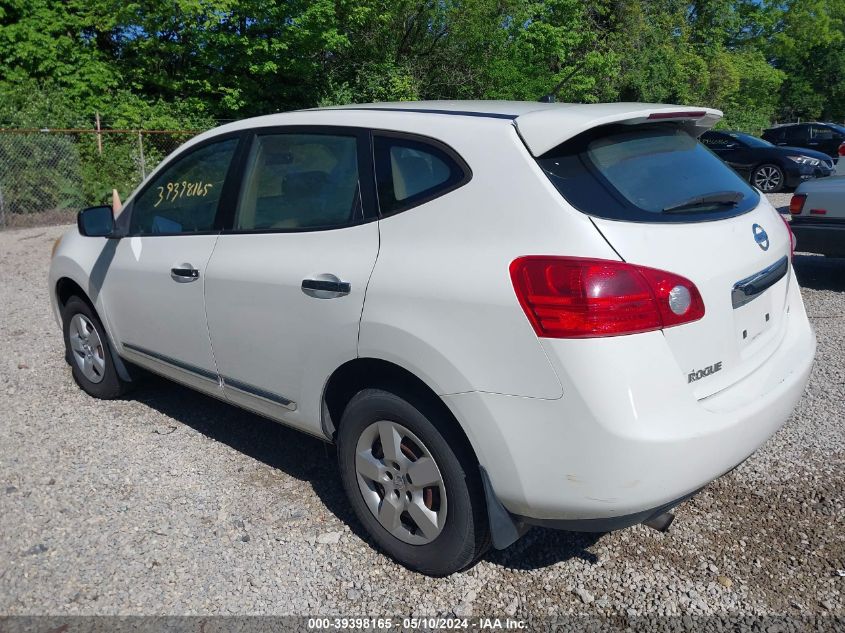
409	172
183	198
300	181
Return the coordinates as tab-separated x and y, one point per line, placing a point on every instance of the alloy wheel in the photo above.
767	178
87	348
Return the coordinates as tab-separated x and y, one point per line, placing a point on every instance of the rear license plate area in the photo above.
753	320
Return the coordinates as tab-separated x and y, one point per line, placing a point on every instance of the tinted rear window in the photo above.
635	173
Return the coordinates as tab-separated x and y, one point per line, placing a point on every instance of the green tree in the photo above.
808	45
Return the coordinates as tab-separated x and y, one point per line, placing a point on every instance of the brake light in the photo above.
841	149
690	114
796	204
792	240
573	297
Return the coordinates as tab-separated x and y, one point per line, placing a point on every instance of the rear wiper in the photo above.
717	198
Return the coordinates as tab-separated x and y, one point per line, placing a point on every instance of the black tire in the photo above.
465	534
110	386
768	173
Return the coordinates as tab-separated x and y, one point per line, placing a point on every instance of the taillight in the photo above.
573	297
689	114
841	149
792	240
796	204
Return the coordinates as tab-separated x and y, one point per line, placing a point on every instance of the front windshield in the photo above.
751	141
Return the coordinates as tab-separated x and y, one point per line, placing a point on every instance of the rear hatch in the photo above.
735	337
662	200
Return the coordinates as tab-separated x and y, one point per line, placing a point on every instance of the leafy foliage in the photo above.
185	63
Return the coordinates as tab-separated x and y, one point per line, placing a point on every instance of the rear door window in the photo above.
798	133
717	140
411	171
646	174
300	182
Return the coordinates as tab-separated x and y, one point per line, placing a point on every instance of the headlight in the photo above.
805	160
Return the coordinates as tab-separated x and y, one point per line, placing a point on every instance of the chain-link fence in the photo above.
57	172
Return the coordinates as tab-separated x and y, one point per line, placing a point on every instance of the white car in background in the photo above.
818	216
503	313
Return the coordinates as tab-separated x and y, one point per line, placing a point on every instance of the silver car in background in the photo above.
818	216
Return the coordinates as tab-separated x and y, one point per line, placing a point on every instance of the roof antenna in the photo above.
551	97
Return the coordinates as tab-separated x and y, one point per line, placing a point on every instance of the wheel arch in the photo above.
65	288
362	373
366	372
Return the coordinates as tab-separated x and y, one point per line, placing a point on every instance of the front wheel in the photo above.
412	483
768	178
87	350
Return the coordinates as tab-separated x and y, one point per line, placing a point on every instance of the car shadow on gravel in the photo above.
297	454
311	460
820	273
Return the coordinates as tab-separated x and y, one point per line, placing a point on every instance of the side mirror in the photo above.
96	222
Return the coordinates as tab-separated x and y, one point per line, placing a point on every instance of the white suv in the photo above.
502	313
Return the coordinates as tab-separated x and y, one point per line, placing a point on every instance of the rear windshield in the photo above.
646	174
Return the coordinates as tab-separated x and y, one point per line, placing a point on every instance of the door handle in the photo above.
325	286
184	273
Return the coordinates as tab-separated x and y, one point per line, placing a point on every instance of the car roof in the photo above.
484	108
542	126
780	125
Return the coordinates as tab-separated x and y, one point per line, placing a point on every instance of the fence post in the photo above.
99	135
141	148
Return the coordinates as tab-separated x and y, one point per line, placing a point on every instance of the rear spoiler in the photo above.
546	128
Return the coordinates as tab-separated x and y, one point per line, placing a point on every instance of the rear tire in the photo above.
768	178
419	492
88	351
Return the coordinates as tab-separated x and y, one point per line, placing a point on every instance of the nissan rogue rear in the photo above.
503	314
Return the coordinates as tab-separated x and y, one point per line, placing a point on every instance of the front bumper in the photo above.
794	177
628	438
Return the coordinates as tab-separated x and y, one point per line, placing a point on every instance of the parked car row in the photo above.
823	137
769	167
795	155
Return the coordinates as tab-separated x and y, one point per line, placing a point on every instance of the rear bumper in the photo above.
628	438
605	524
824	238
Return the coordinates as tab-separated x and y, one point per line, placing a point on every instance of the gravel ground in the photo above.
171	502
780	201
